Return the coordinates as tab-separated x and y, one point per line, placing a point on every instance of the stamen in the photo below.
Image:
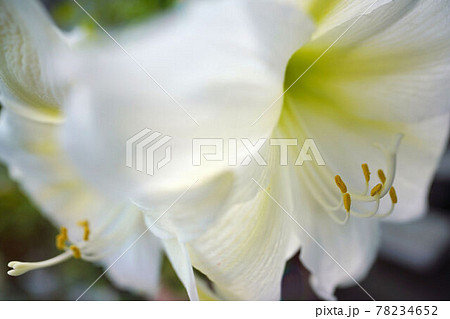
366	172
323	191
62	240
376	190
340	183
347	202
393	195
85	225
382	176
76	251
20	268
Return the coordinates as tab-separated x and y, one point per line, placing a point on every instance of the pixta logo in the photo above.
148	151
143	150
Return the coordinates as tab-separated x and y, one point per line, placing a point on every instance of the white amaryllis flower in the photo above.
376	97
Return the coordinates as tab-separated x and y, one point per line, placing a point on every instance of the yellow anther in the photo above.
376	190
85	225
86	234
63	233
347	202
393	195
366	172
60	242
61	239
340	183
381	176
76	251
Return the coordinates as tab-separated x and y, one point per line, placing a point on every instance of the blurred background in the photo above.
413	264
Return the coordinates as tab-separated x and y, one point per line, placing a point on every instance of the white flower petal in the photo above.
185	215
353	247
138	269
393	64
418	159
245	251
181	262
27	37
189	213
37	162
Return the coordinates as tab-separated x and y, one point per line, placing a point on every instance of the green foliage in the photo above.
107	12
